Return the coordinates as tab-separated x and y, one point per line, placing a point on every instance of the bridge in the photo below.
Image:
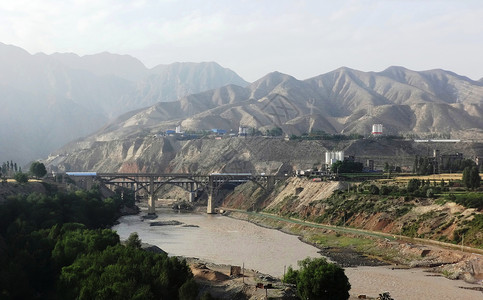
151	183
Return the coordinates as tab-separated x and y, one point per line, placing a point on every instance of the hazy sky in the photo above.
255	37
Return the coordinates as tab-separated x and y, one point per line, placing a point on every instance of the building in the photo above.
178	129
218	131
370	165
376	129
242	131
333	156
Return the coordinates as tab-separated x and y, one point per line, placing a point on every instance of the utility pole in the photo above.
243	273
462	240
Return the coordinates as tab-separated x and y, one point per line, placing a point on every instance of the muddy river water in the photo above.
223	240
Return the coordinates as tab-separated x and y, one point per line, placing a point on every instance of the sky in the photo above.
302	38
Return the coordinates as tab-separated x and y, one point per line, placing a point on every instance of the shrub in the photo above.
318	279
413	185
21	177
385	190
374	190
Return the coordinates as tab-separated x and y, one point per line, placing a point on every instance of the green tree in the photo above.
290	276
318	279
373	189
347	166
277	131
189	290
385	190
471	177
126	273
21	177
413	185
38	169
133	241
74	243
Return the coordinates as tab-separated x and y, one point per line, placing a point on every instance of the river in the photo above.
223	240
220	239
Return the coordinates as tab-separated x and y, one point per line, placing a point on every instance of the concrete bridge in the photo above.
151	183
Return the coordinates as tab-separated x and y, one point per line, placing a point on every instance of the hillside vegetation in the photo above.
444	216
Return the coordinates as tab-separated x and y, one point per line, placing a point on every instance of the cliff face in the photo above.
150	153
167	154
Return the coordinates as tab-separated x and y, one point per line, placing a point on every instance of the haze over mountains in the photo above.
49	100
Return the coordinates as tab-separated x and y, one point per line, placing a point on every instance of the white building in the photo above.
178	128
376	129
242	131
333	156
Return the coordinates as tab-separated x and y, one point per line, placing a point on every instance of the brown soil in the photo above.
216	280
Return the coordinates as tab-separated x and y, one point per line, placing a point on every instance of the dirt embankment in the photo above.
222	283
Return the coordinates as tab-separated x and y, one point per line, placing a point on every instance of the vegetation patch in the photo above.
58	247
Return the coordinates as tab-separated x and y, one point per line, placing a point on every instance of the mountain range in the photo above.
49	100
409	103
434	103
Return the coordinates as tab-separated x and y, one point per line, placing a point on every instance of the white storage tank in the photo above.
377	129
333	156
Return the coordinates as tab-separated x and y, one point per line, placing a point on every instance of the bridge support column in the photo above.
192	192
270	182
151	199
210	209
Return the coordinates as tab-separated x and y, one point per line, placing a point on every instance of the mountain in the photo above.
49	100
342	101
414	104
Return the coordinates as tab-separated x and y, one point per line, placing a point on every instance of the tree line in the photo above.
9	168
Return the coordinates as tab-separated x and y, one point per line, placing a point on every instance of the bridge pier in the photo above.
192	197
151	199
270	183
210	208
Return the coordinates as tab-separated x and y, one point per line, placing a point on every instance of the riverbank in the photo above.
223	282
220	241
428	272
366	282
